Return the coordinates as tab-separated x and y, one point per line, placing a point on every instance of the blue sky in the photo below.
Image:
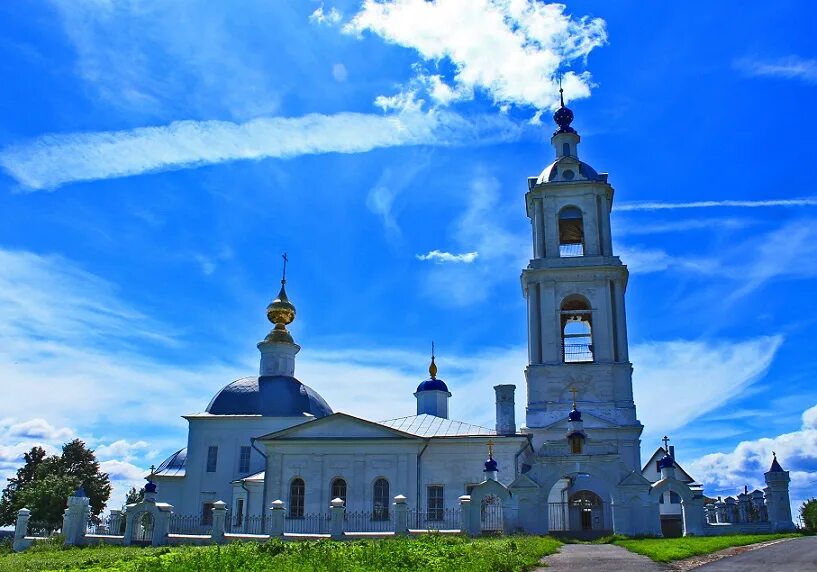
156	159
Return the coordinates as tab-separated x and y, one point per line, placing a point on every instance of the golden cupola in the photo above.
281	312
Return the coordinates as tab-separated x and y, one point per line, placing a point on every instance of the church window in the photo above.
212	458
339	489
207	513
576	441
380	499
565	148
244	460
239	512
577	338
296	498
571	232
435	503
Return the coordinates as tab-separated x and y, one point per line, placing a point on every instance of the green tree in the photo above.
134	496
43	484
808	511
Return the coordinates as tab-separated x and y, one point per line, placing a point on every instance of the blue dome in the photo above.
433	385
491	466
665	462
270	396
574	415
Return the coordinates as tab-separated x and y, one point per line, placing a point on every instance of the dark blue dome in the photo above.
270	396
574	415
665	462
433	385
150	487
491	465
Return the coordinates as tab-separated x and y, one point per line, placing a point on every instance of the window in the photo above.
296	498
435	505
577	337
565	148
674	498
239	512
212	458
207	513
576	441
244	460
339	490
380	500
571	232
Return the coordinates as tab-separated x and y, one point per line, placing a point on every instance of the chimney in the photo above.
505	419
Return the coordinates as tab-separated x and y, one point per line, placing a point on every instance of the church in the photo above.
575	464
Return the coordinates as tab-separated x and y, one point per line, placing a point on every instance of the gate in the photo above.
490	515
142	532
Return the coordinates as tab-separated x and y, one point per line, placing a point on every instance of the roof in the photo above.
173	466
270	396
680	473
776	468
432	426
564	168
433	384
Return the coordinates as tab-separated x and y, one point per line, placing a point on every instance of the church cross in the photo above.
152	469
574	391
490	449
666	443
286	259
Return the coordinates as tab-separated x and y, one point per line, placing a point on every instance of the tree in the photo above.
133	496
808	512
43	484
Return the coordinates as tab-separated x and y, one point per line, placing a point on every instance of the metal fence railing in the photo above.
107	526
189	524
435	519
315	523
248	524
42	529
367	521
578	353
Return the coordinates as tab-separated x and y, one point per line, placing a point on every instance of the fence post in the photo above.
338	511
276	521
75	518
219	520
400	515
115	526
20	530
465	514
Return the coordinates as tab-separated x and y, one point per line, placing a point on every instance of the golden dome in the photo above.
280	312
432	369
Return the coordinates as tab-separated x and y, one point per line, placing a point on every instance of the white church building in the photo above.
575	464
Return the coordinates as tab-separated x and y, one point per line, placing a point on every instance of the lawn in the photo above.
428	553
669	549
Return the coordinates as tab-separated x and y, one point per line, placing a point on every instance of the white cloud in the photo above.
509	49
659	205
53	160
630	227
791	67
728	367
38	430
122	449
726	473
339	72
441	257
329	17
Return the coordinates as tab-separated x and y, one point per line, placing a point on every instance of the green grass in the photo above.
669	549
429	553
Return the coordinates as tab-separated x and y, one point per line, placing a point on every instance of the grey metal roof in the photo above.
270	396
432	426
174	465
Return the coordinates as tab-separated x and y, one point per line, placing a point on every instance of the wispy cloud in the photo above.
441	257
635	227
389	186
53	160
791	67
658	205
511	51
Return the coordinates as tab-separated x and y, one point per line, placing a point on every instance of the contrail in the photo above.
657	206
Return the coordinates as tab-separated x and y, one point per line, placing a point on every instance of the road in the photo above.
798	555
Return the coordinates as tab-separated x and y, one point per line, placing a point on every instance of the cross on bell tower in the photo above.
574	286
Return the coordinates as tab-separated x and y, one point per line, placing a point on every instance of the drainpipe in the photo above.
266	481
419	457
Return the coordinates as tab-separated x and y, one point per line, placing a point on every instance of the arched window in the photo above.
577	331
339	490
296	498
576	441
380	499
565	148
571	232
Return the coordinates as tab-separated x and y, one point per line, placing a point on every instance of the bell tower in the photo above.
574	286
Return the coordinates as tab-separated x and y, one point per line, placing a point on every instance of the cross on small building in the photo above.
286	259
152	470
574	391
490	449
666	443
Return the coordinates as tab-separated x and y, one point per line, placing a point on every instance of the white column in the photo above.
539	229
534	324
400	515
551	222
219	521
20	530
276	521
337	511
550	324
621	322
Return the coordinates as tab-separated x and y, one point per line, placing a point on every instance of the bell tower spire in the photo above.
278	349
574	285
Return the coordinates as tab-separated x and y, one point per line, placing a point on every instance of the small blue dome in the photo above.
574	415
491	466
150	487
666	462
433	385
270	396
